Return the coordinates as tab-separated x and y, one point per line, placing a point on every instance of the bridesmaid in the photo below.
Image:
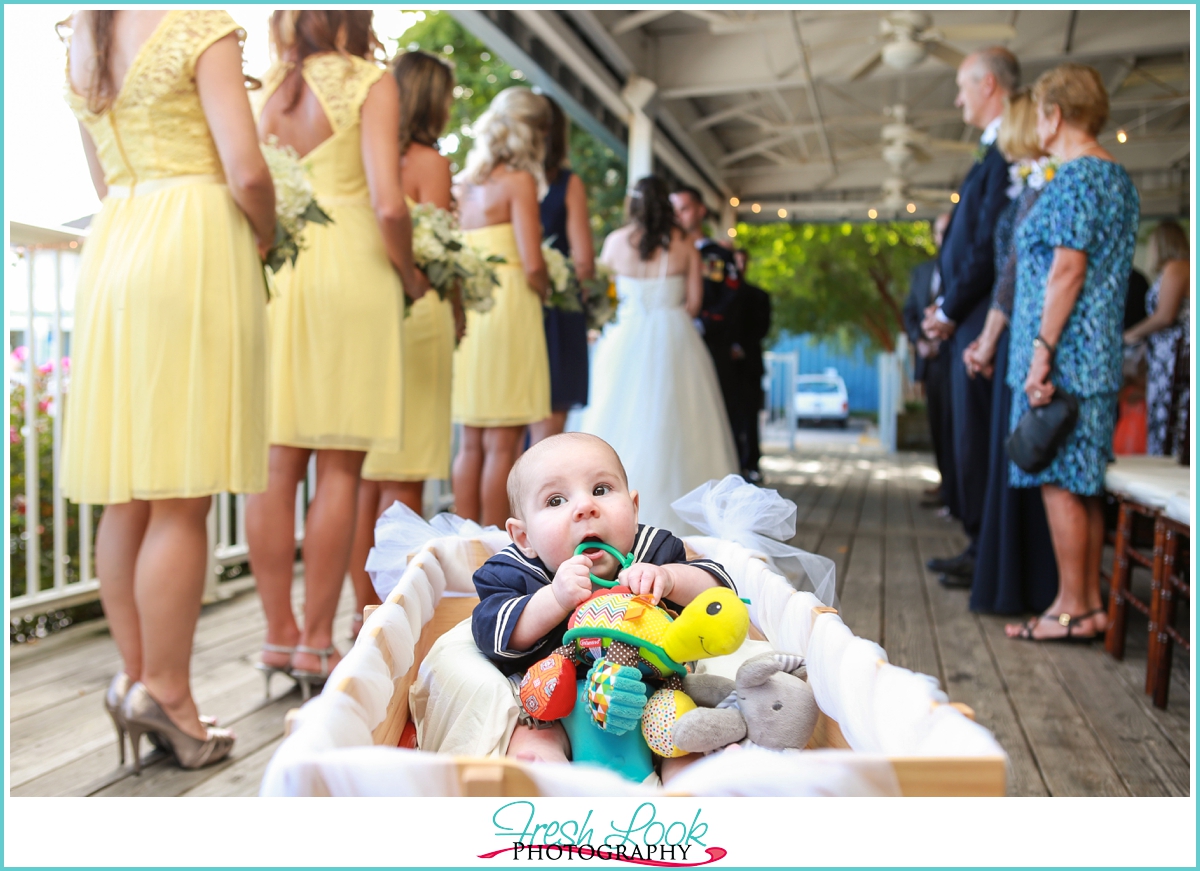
501	373
565	224
168	381
426	85
336	361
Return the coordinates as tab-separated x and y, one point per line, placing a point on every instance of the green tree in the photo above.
842	279
480	76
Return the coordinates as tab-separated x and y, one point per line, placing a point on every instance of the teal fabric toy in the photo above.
627	754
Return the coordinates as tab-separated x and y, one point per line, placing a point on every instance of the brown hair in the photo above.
556	140
100	91
426	87
297	34
651	212
1078	91
1167	242
1018	139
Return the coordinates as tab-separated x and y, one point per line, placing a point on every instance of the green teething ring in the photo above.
626	560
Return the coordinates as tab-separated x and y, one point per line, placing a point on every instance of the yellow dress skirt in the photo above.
428	363
335	328
501	369
168	390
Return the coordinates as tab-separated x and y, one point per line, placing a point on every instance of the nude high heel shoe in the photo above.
142	715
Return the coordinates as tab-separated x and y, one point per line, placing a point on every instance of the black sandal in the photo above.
1067	621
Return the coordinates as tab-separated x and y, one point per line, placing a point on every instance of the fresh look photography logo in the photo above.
644	838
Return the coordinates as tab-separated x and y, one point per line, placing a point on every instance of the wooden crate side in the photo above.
451	611
493	777
950	776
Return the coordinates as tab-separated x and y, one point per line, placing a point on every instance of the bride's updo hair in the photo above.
511	132
651	212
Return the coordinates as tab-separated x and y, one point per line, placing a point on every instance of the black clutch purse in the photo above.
1041	431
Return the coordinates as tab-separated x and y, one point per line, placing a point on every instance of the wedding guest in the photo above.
168	380
426	90
1015	572
756	323
566	226
932	369
336	350
1074	252
501	371
720	311
966	264
1168	323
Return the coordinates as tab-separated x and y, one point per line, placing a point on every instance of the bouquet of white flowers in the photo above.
440	251
295	203
564	286
600	300
596	296
478	278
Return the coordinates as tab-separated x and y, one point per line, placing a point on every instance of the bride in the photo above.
654	390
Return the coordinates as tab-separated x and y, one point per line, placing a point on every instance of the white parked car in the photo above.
822	398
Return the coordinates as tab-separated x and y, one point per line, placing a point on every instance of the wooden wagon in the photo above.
347	740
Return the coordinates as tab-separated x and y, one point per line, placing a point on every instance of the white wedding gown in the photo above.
655	399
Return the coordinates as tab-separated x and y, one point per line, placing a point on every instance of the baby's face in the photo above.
576	494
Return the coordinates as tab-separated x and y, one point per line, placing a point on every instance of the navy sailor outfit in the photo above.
507	580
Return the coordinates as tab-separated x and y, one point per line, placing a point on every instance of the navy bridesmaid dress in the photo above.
566	332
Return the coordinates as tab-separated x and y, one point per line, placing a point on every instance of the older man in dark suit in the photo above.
967	266
932	369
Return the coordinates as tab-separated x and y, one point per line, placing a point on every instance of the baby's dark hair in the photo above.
651	211
516	476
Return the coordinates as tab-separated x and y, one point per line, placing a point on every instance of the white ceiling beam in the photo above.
637	19
751	150
717	88
814	102
741	109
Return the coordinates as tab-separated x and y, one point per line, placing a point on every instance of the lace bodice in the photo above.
155	128
644	294
340	83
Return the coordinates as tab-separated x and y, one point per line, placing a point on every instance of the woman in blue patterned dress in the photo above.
1015	571
1074	253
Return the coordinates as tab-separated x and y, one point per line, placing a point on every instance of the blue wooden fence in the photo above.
856	364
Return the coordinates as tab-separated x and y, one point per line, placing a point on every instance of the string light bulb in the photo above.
1122	136
756	208
732	231
735	202
783	213
911	207
954	197
872	214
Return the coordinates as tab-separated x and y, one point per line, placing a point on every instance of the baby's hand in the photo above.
572	584
647	579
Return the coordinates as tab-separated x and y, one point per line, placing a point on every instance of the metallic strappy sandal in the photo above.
270	670
310	679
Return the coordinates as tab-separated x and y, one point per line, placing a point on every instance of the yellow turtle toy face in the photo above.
715	623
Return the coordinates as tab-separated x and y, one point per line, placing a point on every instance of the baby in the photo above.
566	490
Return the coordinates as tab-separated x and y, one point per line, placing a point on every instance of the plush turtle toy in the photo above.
628	640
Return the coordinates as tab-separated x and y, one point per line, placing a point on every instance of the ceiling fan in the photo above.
908	36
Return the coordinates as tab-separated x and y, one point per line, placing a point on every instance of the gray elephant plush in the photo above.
770	705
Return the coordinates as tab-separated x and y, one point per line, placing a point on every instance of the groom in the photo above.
720	312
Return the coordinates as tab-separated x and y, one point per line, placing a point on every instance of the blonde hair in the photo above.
529	460
512	132
1018	139
1078	91
1167	242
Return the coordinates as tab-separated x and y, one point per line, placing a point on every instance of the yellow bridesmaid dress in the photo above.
501	369
336	366
168	371
425	421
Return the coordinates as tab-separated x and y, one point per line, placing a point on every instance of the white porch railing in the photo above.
779	384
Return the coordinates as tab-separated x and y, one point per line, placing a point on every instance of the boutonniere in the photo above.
981	151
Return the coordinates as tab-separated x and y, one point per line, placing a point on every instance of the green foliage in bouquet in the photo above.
295	204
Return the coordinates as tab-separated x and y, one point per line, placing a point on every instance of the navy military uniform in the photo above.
720	317
507	581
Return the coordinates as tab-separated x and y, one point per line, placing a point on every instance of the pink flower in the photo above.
44	405
66	364
47	367
14	435
20	354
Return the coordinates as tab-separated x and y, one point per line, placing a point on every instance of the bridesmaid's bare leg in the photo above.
468	470
168	585
118	538
271	534
328	533
364	539
555	424
501	447
411	493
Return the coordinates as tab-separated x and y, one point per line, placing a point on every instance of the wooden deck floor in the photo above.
1073	720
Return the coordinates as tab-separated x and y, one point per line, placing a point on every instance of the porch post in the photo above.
636	94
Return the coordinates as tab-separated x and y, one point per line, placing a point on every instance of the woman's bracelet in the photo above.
1039	342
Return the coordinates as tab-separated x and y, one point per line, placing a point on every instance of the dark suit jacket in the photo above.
967	260
919	282
755	324
721	308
